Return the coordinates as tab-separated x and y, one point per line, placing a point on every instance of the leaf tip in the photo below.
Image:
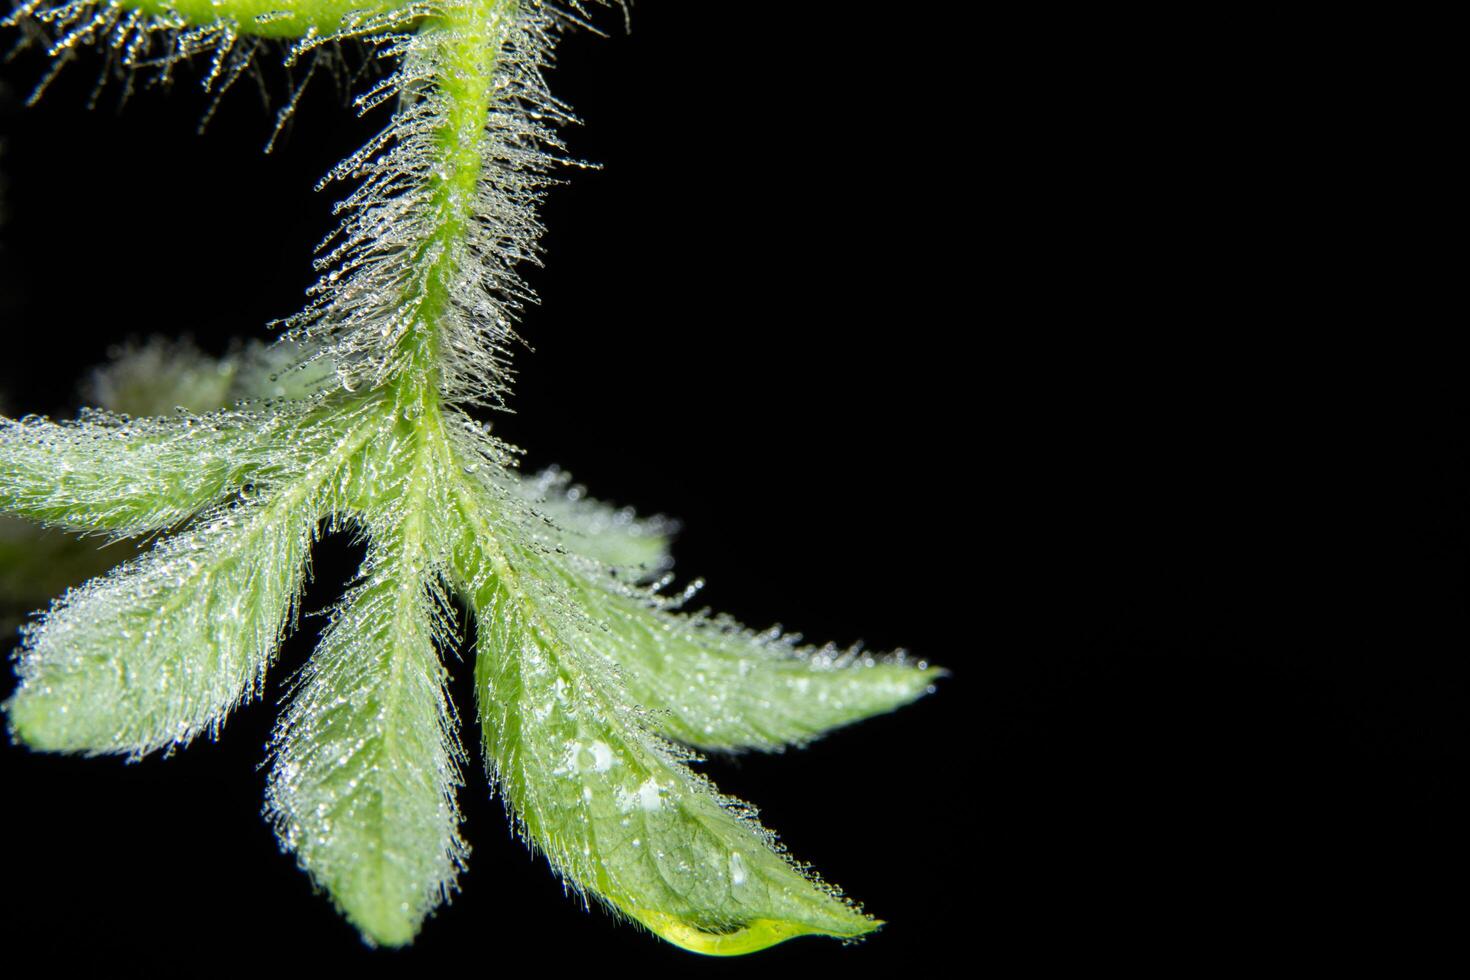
384	929
750	937
383	921
931	676
33	724
912	681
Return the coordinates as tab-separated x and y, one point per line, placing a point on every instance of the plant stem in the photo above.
463	43
268	18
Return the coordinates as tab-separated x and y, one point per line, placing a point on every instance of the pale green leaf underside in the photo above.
612	536
162	377
719	686
124	476
157	652
155	378
366	760
114	475
610	803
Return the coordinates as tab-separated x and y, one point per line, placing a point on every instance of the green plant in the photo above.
592	685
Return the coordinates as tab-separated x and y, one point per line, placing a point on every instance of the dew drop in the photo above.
737	869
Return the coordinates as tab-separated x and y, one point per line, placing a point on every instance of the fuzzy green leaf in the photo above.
114	474
160	377
613	536
366	760
611	804
161	649
367	757
716	685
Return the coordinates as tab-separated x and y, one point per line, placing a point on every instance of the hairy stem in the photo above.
464	43
269	18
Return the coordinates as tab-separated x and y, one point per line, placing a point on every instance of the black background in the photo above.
1001	342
